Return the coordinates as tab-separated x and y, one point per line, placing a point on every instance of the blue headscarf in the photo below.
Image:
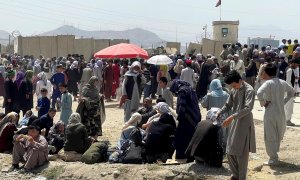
216	89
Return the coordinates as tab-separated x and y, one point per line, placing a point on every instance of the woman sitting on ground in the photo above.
57	136
77	138
160	134
8	126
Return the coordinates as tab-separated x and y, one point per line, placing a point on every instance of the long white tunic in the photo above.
289	106
274	91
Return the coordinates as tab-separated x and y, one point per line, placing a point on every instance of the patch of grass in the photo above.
153	167
53	173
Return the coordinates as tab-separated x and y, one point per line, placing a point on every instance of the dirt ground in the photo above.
289	167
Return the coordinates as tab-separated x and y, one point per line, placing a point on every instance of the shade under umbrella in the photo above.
122	50
160	60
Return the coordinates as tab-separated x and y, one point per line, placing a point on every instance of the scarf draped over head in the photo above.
131	69
20	77
74	65
42	76
74	119
162	107
180	86
6	120
90	90
29	75
55	128
99	64
10	73
216	89
164	69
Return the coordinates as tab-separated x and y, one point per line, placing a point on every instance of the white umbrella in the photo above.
160	60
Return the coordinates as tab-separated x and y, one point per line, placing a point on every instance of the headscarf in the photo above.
28	75
100	64
54	129
74	119
216	89
6	120
20	77
131	69
90	90
42	76
74	65
164	69
10	73
179	85
162	107
212	116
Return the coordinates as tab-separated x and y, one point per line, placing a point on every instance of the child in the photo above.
43	104
66	103
166	93
25	119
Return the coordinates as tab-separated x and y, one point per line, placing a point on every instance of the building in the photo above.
263	42
226	31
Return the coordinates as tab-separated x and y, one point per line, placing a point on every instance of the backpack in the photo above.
134	154
96	153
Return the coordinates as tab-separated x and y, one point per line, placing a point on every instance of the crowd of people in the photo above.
226	87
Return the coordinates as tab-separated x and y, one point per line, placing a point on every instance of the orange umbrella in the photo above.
122	50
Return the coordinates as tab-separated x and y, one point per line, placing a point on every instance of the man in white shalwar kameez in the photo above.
271	95
291	80
131	84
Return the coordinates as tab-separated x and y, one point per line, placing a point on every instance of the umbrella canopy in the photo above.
160	60
122	50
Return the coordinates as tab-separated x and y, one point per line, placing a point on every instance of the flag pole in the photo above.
221	12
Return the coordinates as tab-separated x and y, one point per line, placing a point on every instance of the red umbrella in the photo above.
122	50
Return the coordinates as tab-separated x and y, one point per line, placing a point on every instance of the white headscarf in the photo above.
131	71
42	76
162	107
74	119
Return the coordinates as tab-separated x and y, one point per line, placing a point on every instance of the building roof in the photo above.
225	23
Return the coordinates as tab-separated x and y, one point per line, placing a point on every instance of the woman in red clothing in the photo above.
7	129
116	77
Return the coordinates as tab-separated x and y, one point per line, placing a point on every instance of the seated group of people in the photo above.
32	139
157	125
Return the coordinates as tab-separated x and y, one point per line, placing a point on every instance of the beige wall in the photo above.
197	48
233	30
170	46
212	47
62	45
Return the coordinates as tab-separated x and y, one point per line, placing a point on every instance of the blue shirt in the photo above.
44	105
57	79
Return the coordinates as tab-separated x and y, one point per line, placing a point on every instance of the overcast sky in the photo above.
164	17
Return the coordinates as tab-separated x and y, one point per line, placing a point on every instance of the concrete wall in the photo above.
172	47
212	47
233	31
61	45
194	48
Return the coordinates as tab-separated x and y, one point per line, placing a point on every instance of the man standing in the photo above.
187	74
224	54
116	79
166	93
108	77
238	65
241	137
291	80
272	96
56	79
